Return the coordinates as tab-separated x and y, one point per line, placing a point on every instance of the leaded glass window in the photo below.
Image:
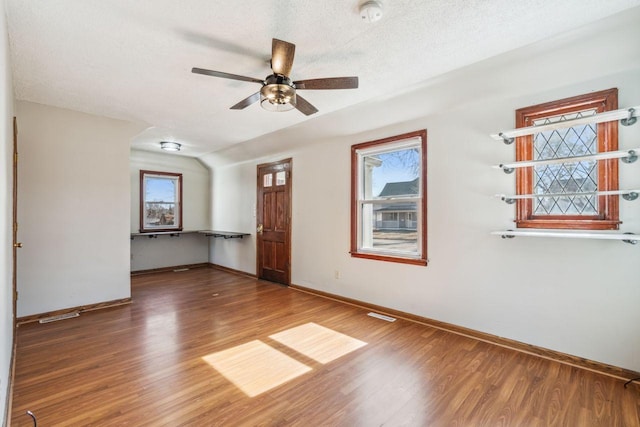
566	180
567	195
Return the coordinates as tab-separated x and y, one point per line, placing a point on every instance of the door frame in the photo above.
14	220
15	245
259	215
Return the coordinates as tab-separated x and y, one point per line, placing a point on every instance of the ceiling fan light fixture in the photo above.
170	146
277	97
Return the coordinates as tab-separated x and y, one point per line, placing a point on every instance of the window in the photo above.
573	202
389	199
160	201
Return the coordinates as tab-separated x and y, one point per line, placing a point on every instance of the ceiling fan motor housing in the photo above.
278	93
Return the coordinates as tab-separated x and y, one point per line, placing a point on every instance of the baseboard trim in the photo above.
169	269
232	270
12	374
81	309
567	359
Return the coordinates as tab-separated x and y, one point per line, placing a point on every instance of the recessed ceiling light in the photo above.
170	146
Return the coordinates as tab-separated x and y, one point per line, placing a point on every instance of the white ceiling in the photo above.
132	60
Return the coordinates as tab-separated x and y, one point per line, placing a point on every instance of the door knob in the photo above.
17	245
260	228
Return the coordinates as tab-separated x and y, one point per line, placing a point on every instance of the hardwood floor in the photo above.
194	346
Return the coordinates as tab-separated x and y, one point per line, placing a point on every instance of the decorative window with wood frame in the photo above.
160	201
572	187
389	199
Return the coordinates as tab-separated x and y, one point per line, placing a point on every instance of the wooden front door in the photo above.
273	217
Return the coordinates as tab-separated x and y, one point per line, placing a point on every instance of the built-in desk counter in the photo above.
151	251
207	233
225	234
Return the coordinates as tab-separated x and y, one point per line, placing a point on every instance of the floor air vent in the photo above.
382	316
59	317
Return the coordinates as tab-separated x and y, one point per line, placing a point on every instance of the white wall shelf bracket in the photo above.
632	157
507	140
630	119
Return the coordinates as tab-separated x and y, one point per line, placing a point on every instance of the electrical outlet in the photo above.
336	274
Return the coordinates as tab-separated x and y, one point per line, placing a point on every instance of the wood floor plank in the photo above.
145	364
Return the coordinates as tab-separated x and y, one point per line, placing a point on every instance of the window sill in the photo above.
381	257
584	224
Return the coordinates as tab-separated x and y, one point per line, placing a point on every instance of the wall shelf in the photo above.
627	156
224	234
155	234
627	117
625	237
207	233
628	195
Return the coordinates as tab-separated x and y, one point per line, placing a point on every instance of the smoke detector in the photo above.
371	11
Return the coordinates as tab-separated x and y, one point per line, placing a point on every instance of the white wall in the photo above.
234	209
6	220
166	251
574	296
73	203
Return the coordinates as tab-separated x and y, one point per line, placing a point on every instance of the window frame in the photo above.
144	174
607	140
356	202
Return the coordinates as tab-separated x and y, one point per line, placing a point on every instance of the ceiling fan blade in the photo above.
225	75
247	101
304	106
282	54
328	83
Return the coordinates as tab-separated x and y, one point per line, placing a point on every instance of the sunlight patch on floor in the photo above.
317	342
255	367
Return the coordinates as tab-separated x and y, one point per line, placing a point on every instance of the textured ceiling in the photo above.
132	60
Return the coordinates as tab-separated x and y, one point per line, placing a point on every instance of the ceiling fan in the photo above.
278	92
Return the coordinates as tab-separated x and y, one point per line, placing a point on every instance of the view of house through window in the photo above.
160	201
388	199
